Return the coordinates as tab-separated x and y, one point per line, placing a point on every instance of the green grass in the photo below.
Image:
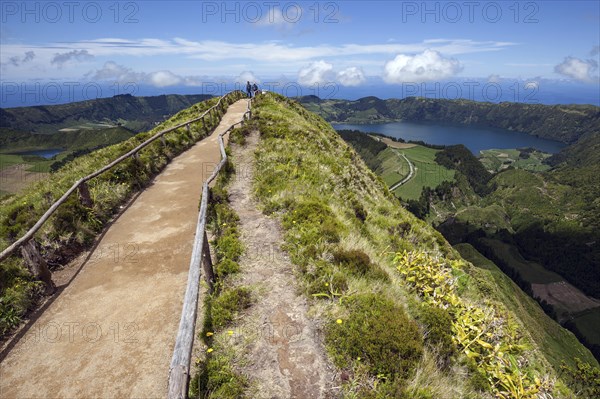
496	160
427	172
314	183
490	218
587	323
215	376
556	343
531	272
393	168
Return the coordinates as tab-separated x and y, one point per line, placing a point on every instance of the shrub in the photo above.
226	306
226	267
377	331
218	380
228	246
358	263
438	326
316	214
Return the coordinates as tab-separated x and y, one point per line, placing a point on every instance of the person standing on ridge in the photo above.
248	89
254	89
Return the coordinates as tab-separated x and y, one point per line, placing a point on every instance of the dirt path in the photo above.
287	359
15	178
111	332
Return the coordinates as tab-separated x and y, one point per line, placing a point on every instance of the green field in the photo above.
41	166
530	271
496	160
427	172
393	166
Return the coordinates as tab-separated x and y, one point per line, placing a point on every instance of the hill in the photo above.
539	224
134	113
351	239
566	123
401	313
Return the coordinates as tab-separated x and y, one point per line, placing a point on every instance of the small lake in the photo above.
474	138
48	153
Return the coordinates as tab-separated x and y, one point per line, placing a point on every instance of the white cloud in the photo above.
532	85
426	66
577	69
270	51
494	78
352	76
276	18
246	76
18	60
60	59
164	79
317	72
118	73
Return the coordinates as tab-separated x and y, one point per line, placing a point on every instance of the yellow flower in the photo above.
339	321
209	350
326	284
293	221
358	358
224	224
208	334
230	332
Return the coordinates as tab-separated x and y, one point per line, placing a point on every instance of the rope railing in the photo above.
81	183
179	370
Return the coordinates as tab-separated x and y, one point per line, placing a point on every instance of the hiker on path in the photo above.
248	89
254	89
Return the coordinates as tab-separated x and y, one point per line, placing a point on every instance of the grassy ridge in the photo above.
74	227
330	202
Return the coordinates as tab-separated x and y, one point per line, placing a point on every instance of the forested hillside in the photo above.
566	123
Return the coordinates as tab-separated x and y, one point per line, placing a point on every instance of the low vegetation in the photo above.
215	375
315	184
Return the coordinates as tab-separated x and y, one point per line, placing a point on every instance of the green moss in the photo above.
377	331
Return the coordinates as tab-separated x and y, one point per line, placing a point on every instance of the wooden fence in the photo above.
29	251
179	371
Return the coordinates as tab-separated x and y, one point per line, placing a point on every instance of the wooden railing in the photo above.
179	371
81	185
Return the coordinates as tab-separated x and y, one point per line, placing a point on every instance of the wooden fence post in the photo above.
163	141
37	266
84	195
208	265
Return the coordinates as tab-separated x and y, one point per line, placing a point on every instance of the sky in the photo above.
536	51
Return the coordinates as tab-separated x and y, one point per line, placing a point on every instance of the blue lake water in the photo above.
474	138
48	153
